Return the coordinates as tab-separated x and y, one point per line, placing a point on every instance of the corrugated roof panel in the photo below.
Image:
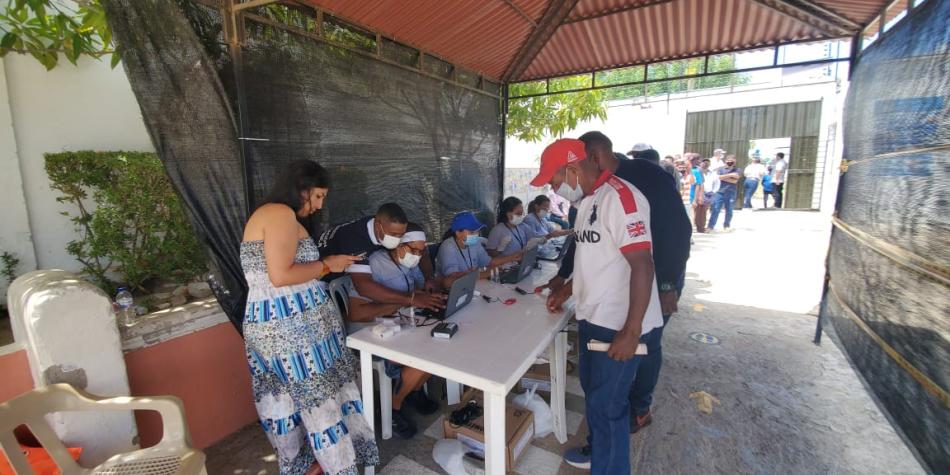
664	31
480	35
587	8
486	35
859	11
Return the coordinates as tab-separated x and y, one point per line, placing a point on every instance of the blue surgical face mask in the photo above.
471	240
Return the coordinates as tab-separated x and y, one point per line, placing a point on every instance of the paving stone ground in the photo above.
786	405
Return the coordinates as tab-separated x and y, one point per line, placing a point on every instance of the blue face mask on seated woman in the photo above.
471	240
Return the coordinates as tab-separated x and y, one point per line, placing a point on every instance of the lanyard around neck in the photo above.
516	235
471	262
409	286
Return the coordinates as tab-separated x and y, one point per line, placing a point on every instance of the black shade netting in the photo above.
888	277
188	116
385	133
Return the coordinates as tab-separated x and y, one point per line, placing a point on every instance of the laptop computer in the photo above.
519	272
459	296
559	252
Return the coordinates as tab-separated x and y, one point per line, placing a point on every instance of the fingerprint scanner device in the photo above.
445	330
459	296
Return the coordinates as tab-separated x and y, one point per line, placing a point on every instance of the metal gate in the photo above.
732	129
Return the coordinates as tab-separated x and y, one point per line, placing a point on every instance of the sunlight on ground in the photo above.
772	260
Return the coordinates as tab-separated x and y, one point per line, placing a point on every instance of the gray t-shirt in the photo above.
779	167
453	258
506	240
394	276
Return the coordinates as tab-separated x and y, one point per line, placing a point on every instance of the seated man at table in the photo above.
365	236
398	270
461	251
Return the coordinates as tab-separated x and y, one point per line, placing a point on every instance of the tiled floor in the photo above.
786	405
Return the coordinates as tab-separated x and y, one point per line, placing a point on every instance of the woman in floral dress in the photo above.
303	375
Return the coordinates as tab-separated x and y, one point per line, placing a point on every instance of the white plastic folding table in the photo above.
495	345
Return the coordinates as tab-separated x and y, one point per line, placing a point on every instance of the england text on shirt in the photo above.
613	220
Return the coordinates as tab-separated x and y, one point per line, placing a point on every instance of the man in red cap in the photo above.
616	290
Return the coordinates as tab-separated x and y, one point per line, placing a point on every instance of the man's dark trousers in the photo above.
777	194
606	384
641	393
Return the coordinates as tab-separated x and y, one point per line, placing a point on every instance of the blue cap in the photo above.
467	221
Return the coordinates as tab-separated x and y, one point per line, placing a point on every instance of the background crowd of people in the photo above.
709	186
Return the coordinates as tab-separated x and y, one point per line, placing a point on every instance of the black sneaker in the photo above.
421	403
578	457
403	426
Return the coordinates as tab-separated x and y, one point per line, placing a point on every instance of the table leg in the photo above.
558	357
366	374
453	392
494	434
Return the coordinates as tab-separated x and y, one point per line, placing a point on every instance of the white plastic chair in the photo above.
173	455
339	289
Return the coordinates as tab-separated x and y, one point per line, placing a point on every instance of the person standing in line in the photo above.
726	196
699	203
705	194
753	173
671	232
302	374
559	209
716	162
766	187
779	170
617	298
685	185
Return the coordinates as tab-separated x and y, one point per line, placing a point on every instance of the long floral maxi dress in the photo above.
302	373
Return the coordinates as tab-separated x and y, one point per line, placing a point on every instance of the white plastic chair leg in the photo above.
385	400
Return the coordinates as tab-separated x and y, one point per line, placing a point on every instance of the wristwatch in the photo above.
667	287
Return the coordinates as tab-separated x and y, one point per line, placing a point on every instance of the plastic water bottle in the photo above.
123	298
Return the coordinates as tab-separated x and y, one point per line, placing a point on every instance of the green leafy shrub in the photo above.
137	228
8	265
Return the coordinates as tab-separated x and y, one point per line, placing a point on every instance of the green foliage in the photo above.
138	228
533	118
47	28
8	265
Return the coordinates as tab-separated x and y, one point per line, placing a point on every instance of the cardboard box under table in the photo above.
540	375
519	429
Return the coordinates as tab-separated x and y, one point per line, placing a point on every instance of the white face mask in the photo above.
517	219
544	214
389	242
570	194
410	260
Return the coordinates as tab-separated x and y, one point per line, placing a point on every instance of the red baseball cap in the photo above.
556	156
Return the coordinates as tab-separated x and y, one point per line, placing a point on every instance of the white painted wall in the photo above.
15	236
661	121
84	107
